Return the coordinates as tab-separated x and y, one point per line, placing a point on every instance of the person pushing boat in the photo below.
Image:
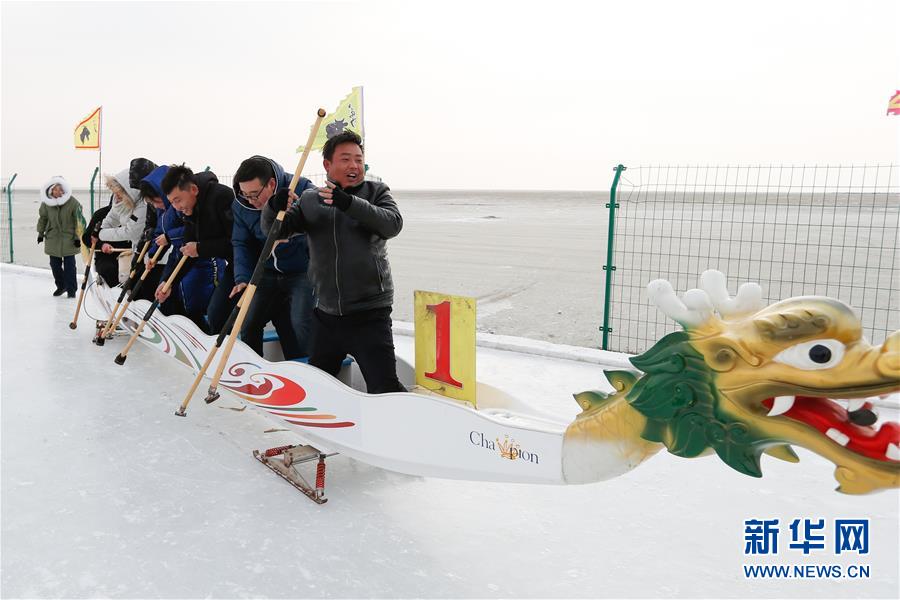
347	224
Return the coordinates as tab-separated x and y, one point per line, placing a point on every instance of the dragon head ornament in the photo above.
744	379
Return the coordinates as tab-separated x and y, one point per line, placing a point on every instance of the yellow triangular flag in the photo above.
894	104
347	116
87	133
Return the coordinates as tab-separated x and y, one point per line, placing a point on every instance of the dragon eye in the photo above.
820	354
811	356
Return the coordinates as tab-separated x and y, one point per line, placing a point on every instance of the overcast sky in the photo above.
466	95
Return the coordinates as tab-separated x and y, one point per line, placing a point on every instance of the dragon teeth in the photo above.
892	452
781	405
837	436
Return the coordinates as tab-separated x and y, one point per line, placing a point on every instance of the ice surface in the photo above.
105	493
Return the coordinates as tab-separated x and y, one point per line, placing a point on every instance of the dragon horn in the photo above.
749	297
694	310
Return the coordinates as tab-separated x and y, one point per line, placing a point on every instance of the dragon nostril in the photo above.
863	417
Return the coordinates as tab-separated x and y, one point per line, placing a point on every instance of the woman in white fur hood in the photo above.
59	226
125	220
121	228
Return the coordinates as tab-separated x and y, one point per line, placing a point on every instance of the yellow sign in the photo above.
348	116
445	344
894	104
87	133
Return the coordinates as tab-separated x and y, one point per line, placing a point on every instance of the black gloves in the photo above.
279	201
77	243
40	238
340	198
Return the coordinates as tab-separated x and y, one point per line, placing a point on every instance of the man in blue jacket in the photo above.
195	289
284	294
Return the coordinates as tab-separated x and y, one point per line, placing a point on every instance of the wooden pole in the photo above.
156	256
209	358
87	272
306	149
212	394
120	359
127	286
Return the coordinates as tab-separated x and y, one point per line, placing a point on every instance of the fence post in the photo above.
12	256
93	177
609	267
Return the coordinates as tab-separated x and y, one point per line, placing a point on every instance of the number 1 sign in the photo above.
445	344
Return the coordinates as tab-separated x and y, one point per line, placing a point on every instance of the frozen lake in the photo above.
534	260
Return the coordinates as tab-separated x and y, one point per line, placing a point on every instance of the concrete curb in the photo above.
615	360
23	270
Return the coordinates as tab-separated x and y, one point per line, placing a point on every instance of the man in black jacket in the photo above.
205	206
347	224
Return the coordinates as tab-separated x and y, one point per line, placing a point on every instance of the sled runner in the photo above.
283	460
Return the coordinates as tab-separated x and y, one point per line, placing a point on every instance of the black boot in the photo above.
59	292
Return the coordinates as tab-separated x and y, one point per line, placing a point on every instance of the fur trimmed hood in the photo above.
49	200
122	179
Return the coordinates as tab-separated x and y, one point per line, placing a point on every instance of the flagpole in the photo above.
362	109
100	153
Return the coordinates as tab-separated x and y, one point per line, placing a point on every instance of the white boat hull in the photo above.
412	433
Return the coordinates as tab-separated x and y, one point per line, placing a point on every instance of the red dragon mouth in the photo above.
833	420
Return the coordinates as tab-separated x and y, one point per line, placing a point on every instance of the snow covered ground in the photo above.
105	493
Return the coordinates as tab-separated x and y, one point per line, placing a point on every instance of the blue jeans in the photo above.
286	300
191	295
64	273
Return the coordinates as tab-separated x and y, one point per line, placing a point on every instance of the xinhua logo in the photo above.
802	538
807	536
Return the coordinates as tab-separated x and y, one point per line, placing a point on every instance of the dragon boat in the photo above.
740	380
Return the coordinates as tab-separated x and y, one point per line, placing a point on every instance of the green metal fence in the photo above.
827	230
18	214
93	177
796	230
6	238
